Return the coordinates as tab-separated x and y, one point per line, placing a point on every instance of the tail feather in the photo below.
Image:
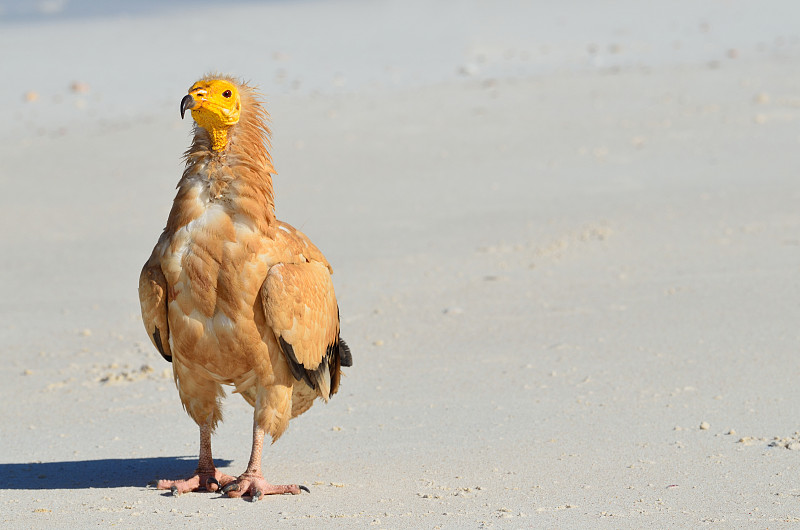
345	357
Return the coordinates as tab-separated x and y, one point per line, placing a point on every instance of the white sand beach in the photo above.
566	244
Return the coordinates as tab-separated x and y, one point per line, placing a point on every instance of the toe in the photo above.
212	484
233	486
178	487
235	489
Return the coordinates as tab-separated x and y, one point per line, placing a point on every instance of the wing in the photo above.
153	298
300	307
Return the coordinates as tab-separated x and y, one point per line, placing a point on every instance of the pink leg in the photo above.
206	475
252	482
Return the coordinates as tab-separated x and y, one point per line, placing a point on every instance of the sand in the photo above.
566	250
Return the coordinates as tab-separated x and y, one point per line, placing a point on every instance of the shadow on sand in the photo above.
108	473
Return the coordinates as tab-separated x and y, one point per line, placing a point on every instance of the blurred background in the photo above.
98	54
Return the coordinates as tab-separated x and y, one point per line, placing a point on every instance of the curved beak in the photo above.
187	103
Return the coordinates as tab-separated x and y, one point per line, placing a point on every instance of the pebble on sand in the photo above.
79	87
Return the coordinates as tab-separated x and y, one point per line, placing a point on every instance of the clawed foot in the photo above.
254	486
209	480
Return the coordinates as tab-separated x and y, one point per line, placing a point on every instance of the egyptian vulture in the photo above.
232	296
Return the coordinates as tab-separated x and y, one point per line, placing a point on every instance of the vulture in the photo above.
232	296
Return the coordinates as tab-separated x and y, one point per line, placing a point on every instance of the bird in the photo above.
232	296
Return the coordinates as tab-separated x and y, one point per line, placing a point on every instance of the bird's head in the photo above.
216	107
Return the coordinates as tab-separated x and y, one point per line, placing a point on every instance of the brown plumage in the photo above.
232	296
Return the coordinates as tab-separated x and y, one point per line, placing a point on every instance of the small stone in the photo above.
79	87
86	332
469	69
761	98
704	426
31	96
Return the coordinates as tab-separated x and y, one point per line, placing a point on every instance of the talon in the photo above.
304	488
256	495
212	480
233	486
175	492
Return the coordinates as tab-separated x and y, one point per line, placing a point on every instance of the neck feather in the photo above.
236	166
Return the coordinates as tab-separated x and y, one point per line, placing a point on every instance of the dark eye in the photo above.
226	94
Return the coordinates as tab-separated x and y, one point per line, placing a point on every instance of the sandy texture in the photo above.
570	287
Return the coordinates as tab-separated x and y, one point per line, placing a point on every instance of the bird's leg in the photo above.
206	475
252	482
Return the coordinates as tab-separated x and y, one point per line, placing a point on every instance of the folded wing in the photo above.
153	298
300	307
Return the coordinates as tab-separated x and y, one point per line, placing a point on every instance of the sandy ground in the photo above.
570	284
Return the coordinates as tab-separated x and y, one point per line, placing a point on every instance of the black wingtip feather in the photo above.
297	369
160	345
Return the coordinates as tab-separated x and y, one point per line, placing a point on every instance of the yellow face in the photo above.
215	104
